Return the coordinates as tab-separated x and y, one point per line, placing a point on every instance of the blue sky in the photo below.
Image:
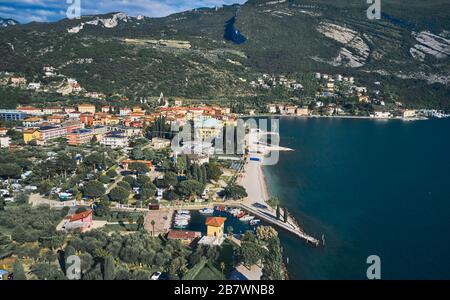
26	11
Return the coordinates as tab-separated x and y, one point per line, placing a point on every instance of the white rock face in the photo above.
107	23
430	44
354	52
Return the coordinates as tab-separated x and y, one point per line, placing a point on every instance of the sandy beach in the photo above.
255	183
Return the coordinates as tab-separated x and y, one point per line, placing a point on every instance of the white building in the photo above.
114	140
4	141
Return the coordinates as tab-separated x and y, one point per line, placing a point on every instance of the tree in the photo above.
273	202
22	198
181	164
108	268
102	208
265	233
137	154
285	215
10	170
153	227
139	167
94	189
222	268
188	188
213	171
2	203
140	222
142	180
18	271
235	192
111	173
171	179
45	187
119	194
251	253
104	179
278	212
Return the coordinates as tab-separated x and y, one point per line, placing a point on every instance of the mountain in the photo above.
7	22
212	52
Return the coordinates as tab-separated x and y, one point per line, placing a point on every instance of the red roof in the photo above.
80	216
215	221
182	234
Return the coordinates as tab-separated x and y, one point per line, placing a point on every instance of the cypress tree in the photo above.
108	268
285	212
18	272
278	212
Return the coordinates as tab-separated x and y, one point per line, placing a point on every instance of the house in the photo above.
272	108
31	134
206	128
86	108
34	86
215	226
81	221
32	122
124	111
3	131
50	110
159	143
186	237
381	115
215	231
4	141
71	125
302	112
55	119
17	81
409	113
32	111
198	158
115	140
290	109
87	119
106	109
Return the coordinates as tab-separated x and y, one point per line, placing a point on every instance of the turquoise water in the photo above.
372	188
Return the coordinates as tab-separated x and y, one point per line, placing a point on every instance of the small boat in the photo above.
206	211
179	226
181	223
255	222
246	218
183	212
182	217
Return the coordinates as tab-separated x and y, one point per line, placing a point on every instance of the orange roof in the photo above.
181	234
80	216
215	221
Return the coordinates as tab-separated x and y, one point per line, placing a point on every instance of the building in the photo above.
72	125
215	231
198	158
55	119
206	128
126	163
30	135
17	81
86	108
124	111
32	122
302	112
4	141
50	132
215	226
81	221
80	137
3	131
87	119
106	109
409	113
51	110
381	115
272	108
12	115
159	143
186	237
30	110
115	140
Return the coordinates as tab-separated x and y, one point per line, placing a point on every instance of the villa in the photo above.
215	231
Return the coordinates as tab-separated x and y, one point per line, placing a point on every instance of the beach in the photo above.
255	183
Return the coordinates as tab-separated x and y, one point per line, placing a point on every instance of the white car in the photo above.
156	275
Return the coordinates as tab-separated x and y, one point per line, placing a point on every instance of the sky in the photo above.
26	11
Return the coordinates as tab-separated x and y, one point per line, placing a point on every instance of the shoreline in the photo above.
337	117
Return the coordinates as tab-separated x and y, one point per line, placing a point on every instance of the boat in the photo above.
246	218
181	223
255	222
182	217
183	212
206	211
240	214
179	226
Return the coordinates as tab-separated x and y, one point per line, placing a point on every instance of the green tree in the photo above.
170	179
139	167
119	194
273	202
278	212
235	192
188	188
10	170
94	189
45	187
2	203
109	268
18	271
111	173
104	179
140	222
22	198
285	215
213	171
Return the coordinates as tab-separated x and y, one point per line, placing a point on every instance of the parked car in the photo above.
156	275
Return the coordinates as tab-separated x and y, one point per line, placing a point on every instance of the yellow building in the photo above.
303	112
86	108
31	134
409	113
215	226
